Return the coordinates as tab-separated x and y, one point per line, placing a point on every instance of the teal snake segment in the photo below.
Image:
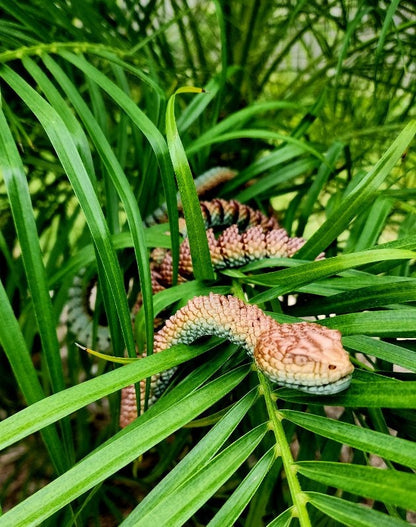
305	355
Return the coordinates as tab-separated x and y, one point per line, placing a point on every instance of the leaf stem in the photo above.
299	498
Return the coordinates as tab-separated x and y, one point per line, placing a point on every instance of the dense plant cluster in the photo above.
107	108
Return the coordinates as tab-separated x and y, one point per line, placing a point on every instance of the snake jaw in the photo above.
325	389
305	356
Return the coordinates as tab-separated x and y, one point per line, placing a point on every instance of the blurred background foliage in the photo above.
350	64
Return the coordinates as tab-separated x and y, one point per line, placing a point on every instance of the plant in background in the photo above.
313	107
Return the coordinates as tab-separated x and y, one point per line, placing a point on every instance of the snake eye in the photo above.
332	367
300	359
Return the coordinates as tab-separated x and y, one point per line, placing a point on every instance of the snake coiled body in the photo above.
251	236
305	356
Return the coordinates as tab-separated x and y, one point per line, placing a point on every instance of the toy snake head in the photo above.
305	356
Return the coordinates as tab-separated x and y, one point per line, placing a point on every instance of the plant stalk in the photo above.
283	449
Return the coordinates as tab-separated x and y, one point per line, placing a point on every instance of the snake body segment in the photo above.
230	249
305	356
250	236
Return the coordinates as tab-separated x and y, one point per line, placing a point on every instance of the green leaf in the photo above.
382	350
122	185
62	141
196	459
383	445
388	20
284	519
370	230
238	119
303	274
12	170
387	486
378	394
318	185
13	343
358	198
18	192
57	102
351	27
175	509
234	506
266	135
270	182
352	514
383	294
61	404
124	448
197	106
150	131
201	260
392	323
275	159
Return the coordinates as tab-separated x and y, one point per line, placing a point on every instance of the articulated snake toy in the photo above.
304	355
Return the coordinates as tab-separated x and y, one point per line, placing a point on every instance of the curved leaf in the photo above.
132	442
352	514
201	260
370	482
384	445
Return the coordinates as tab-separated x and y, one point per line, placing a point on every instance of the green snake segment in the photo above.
305	356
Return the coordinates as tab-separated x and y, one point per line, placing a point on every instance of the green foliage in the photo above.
312	104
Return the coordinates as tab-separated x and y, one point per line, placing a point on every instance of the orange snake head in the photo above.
305	356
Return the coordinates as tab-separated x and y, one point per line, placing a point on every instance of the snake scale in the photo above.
303	355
